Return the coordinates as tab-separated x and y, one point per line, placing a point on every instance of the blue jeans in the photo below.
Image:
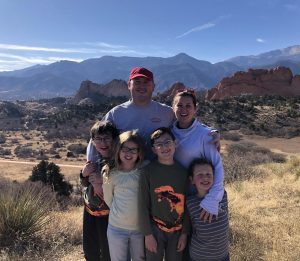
121	240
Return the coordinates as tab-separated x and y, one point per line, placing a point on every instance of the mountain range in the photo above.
64	78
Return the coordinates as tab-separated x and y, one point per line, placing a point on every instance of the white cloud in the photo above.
196	29
204	26
45	49
34	60
105	45
260	40
17	56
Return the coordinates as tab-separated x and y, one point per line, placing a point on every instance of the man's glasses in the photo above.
166	143
131	150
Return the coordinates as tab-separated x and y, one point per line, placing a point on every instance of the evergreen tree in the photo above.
49	174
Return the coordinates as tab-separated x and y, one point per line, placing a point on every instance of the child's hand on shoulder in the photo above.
88	168
150	243
181	242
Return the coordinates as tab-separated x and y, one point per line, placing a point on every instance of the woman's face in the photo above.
184	110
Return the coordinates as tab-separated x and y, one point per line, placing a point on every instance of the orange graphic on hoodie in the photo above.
176	200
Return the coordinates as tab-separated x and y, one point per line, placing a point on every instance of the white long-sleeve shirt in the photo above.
192	143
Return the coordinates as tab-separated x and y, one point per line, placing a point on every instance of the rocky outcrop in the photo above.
277	81
172	91
91	92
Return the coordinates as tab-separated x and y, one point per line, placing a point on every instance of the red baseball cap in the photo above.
140	72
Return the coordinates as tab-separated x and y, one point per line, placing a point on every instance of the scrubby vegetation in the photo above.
271	116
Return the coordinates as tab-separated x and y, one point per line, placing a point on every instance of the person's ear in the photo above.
128	85
154	150
176	143
191	179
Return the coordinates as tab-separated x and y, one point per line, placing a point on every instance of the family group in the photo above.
153	182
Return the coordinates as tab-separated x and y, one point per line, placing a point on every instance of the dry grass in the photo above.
264	216
61	241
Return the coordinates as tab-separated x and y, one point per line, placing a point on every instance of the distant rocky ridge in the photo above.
278	81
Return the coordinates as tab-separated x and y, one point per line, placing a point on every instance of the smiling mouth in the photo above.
128	158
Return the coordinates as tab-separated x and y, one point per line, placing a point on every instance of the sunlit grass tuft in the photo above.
24	211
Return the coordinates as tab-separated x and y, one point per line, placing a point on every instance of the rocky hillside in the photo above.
278	81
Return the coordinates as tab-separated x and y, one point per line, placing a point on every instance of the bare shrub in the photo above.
26	136
77	148
2	138
243	157
255	154
238	168
56	145
24	152
14	141
52	151
42	157
70	154
57	156
5	152
231	136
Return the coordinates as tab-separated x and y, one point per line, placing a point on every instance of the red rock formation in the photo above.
277	81
114	88
172	91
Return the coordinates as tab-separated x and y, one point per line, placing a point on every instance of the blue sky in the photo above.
44	31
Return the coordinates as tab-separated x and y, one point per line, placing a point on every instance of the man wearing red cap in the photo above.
140	112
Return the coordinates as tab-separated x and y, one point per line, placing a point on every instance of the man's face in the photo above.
141	89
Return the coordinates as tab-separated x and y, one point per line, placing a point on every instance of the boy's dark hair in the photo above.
198	161
104	127
159	132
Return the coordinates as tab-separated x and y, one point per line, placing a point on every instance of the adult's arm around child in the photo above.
211	201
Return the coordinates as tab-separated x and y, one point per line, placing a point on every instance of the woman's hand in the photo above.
216	139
